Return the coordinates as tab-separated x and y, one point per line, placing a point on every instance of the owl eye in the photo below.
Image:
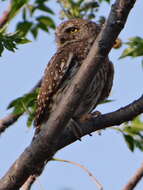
72	30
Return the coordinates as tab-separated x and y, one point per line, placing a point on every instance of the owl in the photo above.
74	40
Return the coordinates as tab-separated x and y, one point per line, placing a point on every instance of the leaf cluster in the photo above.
80	8
36	16
10	41
25	104
134	49
133	133
133	130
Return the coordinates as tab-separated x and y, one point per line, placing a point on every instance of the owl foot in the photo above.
96	114
89	116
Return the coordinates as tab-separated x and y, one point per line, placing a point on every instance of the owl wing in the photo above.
109	82
54	74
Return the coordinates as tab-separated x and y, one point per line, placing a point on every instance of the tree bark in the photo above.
135	179
43	147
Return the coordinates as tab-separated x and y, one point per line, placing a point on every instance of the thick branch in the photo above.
124	114
135	179
115	118
45	144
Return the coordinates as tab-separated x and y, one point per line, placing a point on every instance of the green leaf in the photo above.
25	104
80	2
40	1
10	45
137	120
135	127
30	120
31	117
47	21
24	14
17	105
23	41
106	101
16	5
43	27
44	8
130	141
1	48
135	48
31	9
23	27
107	1
139	143
11	40
132	132
34	31
128	52
79	9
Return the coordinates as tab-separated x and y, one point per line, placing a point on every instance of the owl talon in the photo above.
89	116
96	113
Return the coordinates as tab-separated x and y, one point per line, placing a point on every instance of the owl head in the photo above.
75	30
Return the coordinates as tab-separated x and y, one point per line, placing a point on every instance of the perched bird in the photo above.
74	39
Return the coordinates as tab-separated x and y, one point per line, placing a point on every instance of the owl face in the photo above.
75	30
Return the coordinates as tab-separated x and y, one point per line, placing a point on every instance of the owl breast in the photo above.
98	89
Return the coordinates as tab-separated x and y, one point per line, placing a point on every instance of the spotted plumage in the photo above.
74	39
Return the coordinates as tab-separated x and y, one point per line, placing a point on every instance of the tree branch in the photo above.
115	118
98	184
104	121
43	147
4	19
29	182
7	121
135	179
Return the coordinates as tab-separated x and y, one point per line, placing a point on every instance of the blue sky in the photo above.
105	155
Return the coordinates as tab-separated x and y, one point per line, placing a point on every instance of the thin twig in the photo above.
99	185
135	179
7	121
27	185
5	17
